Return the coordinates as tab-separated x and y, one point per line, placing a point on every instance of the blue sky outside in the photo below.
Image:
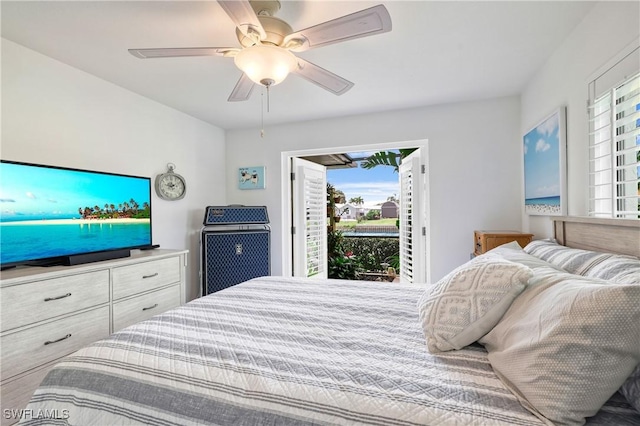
373	185
54	192
542	160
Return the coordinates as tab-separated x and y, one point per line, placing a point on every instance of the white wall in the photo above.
58	115
474	167
610	28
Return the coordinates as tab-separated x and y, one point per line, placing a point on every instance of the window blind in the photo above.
406	225
309	219
614	152
316	224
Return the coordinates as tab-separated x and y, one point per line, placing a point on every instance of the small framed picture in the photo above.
251	177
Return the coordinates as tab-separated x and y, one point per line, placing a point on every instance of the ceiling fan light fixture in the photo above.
264	64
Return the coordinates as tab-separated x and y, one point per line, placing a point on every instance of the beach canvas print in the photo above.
545	166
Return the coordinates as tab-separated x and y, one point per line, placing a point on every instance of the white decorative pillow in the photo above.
513	252
466	304
567	344
617	268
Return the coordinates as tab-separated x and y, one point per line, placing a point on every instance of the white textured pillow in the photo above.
566	344
616	268
464	305
513	252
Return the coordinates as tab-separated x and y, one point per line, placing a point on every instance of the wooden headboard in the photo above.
599	234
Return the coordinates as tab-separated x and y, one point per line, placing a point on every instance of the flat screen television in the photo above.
56	215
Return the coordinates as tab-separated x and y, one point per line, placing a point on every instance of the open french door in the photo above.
413	231
309	190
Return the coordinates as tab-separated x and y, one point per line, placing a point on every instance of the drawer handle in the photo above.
150	307
150	276
48	342
48	299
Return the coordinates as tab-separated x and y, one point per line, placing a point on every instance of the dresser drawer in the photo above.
131	311
29	303
37	345
133	279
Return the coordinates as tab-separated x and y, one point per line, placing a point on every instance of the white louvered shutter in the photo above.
309	219
412	219
614	166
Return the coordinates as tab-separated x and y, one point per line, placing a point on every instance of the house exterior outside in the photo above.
347	211
389	209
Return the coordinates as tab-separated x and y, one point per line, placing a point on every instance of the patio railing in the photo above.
375	229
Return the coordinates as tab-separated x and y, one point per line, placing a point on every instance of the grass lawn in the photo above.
344	223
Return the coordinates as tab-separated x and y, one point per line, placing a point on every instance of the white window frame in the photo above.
614	140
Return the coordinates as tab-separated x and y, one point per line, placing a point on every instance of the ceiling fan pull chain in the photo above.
268	100
262	114
262	109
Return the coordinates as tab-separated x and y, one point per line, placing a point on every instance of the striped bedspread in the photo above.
281	351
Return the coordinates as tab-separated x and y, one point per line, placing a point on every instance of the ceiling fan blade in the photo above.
245	18
367	22
243	89
323	78
183	51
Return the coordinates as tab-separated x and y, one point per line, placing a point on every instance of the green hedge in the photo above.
371	252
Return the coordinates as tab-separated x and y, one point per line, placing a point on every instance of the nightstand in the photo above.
486	240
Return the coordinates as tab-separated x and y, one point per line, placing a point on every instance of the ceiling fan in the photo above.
267	42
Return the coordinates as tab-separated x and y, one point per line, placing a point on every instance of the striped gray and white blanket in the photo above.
281	351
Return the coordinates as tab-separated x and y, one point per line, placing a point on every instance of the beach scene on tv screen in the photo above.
49	212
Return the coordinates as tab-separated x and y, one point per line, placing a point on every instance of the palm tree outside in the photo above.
386	158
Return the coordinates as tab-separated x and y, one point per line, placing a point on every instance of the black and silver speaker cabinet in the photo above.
235	215
235	246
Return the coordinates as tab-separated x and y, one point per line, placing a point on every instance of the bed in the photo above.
280	351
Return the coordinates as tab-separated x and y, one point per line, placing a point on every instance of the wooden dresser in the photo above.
483	241
48	313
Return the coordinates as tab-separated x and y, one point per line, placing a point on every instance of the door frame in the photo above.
286	194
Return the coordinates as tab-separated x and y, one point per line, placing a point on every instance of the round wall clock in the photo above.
170	185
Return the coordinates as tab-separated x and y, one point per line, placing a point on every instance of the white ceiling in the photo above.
437	52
